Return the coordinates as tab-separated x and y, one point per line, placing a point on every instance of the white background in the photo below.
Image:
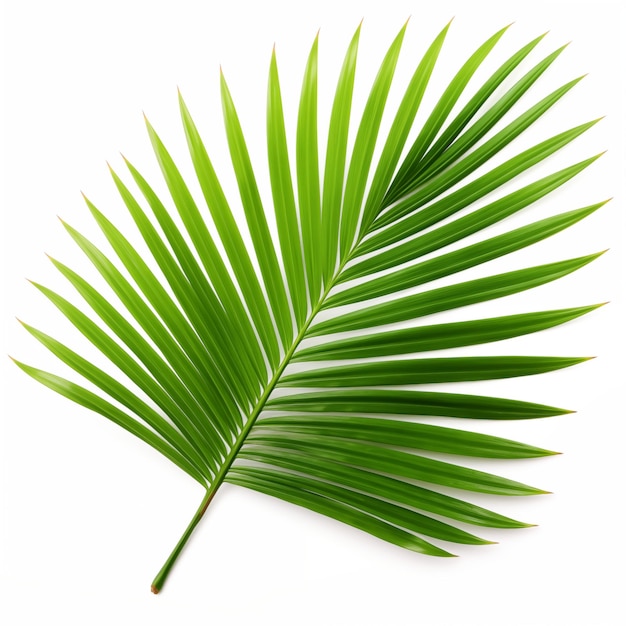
89	514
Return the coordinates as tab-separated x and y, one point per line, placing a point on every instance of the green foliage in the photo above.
206	353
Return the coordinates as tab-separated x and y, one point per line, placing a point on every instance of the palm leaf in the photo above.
206	352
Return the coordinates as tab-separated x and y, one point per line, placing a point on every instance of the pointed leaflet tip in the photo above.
116	179
592	257
558	411
503	30
89	203
34	283
223	83
560	50
147	122
181	103
599	254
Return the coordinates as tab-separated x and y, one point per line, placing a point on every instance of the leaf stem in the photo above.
159	580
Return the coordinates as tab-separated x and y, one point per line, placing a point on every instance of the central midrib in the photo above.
260	405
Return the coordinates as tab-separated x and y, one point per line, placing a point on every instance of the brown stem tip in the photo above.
154	589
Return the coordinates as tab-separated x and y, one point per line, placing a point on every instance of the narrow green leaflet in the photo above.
283	196
395	462
439	336
336	150
364	146
397	402
452	297
412	435
426	370
257	223
307	167
195	343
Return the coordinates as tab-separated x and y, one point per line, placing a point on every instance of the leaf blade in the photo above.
451	297
255	216
336	150
364	146
399	402
283	196
307	171
426	370
440	336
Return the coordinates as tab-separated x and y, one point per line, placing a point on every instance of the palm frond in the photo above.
206	351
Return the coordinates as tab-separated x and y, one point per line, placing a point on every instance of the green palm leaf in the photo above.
206	351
